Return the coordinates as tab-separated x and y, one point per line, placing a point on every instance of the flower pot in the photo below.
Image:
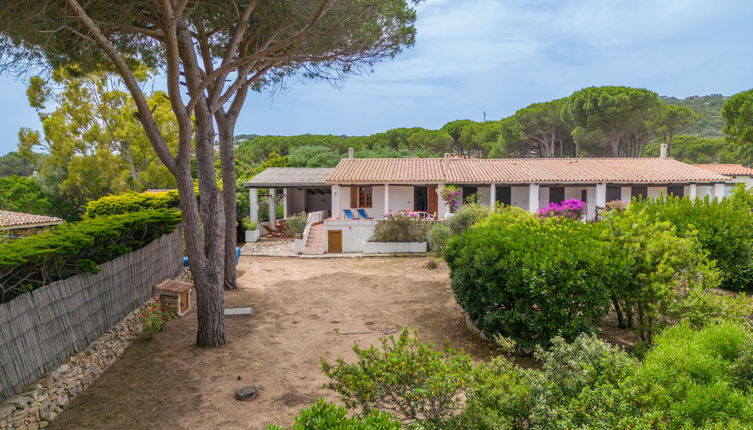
252	235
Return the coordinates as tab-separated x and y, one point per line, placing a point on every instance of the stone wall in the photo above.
38	407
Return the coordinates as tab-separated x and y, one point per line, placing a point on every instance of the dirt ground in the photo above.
304	309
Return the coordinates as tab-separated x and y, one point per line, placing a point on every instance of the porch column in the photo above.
692	192
336	201
443	208
253	194
273	208
601	195
533	198
492	195
284	202
719	192
386	198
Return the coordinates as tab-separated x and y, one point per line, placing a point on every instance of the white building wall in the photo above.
703	190
656	192
401	198
354	233
543	196
519	197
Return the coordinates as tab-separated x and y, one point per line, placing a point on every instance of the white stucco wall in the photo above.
354	233
519	197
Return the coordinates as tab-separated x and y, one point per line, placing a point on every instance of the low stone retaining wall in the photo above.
50	394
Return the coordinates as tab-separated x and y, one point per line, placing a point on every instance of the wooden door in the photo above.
433	200
335	241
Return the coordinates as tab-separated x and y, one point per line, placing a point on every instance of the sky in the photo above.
497	56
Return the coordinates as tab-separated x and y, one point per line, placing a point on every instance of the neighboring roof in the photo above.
290	177
728	169
519	171
10	220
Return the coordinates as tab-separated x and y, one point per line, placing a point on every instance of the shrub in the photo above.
467	217
401	228
432	264
131	202
72	248
296	224
572	208
451	194
155	315
416	383
328	416
651	268
724	229
249	225
529	278
690	377
437	237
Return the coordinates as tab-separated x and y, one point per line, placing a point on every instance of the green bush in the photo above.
296	224
249	225
328	416
691	377
467	216
72	248
131	202
401	228
418	384
530	279
437	237
724	229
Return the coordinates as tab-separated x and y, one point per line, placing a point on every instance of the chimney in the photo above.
663	150
350	153
446	161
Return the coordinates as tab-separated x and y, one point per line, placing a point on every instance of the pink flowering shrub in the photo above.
572	208
451	196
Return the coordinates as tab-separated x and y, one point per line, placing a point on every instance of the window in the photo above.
365	197
638	192
469	191
676	191
556	194
614	193
504	195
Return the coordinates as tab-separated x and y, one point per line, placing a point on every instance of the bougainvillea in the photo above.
572	208
451	196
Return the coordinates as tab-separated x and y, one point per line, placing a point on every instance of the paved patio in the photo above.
272	247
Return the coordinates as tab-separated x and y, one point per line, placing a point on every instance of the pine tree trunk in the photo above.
229	197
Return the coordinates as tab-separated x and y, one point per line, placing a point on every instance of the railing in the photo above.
313	218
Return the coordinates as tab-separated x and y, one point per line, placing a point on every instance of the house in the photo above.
736	172
383	186
18	224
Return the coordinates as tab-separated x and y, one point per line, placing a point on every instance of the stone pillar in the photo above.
601	195
386	199
336	201
718	192
285	202
533	198
273	208
492	195
693	192
253	194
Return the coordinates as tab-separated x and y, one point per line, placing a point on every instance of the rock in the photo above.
247	393
61	369
6	411
21	401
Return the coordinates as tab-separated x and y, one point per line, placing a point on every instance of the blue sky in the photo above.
473	56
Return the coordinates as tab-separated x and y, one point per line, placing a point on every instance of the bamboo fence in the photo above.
44	327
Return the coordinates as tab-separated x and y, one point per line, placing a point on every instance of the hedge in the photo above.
30	263
131	202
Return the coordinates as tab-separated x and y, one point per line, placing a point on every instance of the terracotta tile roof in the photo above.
290	176
10	219
519	171
728	169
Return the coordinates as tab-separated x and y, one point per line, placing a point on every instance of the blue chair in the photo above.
349	214
362	213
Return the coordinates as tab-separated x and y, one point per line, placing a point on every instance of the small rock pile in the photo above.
37	408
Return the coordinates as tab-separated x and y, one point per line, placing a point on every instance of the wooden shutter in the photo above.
354	196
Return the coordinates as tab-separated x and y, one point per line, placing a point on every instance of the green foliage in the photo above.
328	416
249	225
738	114
709	108
22	194
401	228
724	229
467	217
651	267
72	248
538	129
692	149
437	237
413	381
313	156
296	224
132	202
671	120
155	315
530	279
690	377
13	163
700	308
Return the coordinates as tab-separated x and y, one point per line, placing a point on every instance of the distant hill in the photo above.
710	108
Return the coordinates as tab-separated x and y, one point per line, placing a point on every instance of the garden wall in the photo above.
44	327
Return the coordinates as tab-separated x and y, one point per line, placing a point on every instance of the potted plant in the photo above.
252	230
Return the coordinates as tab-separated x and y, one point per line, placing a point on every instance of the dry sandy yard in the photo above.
304	309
